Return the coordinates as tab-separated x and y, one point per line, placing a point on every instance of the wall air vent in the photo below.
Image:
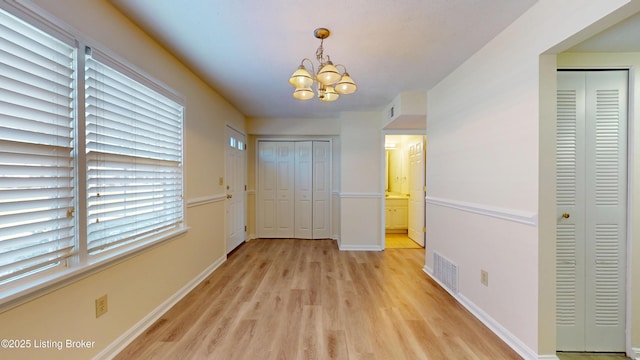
446	272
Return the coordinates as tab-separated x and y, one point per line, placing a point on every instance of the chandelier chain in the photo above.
320	53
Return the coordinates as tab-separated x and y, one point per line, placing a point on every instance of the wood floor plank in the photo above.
305	299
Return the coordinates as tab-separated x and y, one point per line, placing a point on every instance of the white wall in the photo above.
484	185
138	286
361	182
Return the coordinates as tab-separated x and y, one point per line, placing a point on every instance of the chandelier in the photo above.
329	82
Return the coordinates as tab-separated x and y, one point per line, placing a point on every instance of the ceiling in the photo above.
622	37
248	49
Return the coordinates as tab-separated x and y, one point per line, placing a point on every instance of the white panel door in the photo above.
303	190
321	190
285	183
235	163
591	200
275	189
267	189
416	191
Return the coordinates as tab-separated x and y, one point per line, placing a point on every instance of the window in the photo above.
36	148
78	188
134	159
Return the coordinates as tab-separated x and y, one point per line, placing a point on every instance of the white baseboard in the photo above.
359	247
427	270
337	239
635	353
128	336
511	340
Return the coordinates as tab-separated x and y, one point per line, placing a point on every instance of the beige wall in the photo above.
629	60
488	125
139	285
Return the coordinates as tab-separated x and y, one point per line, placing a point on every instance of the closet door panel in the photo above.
303	190
285	193
267	193
321	190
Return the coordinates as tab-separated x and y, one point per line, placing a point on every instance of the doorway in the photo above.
404	179
591	193
235	185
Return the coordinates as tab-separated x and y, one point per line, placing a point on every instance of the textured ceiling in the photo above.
247	49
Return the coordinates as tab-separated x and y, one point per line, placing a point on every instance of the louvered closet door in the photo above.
591	194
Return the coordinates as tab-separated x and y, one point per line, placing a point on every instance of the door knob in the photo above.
229	196
566	215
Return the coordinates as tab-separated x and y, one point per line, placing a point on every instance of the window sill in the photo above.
17	295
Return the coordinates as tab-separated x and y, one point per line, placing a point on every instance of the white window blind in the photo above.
134	160
37	228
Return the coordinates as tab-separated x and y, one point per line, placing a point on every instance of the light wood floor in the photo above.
305	299
399	241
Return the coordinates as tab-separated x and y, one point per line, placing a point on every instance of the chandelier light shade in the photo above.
346	85
302	93
328	81
328	74
301	78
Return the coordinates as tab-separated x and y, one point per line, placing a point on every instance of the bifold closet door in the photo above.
276	189
294	189
591	183
312	169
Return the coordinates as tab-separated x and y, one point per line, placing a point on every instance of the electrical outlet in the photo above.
484	277
101	305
